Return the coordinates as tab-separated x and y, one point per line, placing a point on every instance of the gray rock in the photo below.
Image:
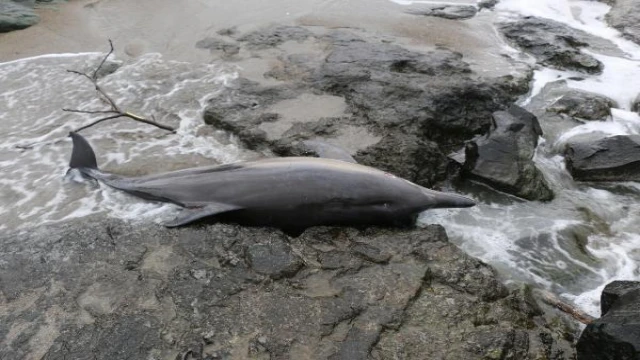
214	44
625	17
103	289
504	158
16	16
487	4
452	12
401	110
552	43
615	158
613	291
274	259
615	335
583	105
275	35
635	106
560	108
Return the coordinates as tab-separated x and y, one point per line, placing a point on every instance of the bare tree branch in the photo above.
113	113
115	109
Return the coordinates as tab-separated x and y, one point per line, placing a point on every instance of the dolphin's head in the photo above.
438	200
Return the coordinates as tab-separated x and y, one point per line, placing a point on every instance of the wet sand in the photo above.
172	28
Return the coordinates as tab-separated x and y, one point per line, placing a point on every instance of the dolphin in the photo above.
289	193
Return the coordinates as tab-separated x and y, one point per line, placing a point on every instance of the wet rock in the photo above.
504	158
615	335
274	259
275	35
625	17
487	4
214	44
389	107
552	43
583	105
199	292
452	12
615	158
560	108
613	291
16	16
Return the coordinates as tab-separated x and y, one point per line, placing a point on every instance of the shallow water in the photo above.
588	235
573	245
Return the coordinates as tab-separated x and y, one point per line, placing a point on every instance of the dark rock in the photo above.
274	259
195	293
583	105
275	35
615	158
625	17
487	4
616	335
16	16
552	43
613	291
560	108
213	44
370	253
401	110
504	158
452	12
635	106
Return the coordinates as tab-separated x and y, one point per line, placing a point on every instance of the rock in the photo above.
635	106
16	16
487	4
503	159
583	105
214	44
615	335
613	291
389	107
275	35
625	17
560	108
452	12
552	43
615	158
274	259
209	292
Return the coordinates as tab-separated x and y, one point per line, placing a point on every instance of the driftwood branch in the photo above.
114	111
577	314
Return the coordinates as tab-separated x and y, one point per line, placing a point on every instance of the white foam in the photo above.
32	184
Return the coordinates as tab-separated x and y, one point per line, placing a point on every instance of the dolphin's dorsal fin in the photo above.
189	215
328	151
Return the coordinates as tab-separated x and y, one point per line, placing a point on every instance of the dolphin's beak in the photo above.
446	200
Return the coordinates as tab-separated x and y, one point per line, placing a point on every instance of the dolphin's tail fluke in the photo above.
82	156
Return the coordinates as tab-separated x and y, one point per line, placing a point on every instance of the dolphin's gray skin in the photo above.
290	193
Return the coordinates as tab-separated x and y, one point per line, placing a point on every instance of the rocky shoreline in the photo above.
106	289
110	290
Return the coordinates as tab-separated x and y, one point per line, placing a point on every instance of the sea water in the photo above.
588	235
35	148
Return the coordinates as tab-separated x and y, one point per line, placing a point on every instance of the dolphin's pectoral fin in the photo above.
192	214
328	151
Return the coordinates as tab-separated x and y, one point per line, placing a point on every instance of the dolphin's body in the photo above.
290	193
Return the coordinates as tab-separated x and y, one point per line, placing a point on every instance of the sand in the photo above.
173	27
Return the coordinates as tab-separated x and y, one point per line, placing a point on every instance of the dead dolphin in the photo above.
289	193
